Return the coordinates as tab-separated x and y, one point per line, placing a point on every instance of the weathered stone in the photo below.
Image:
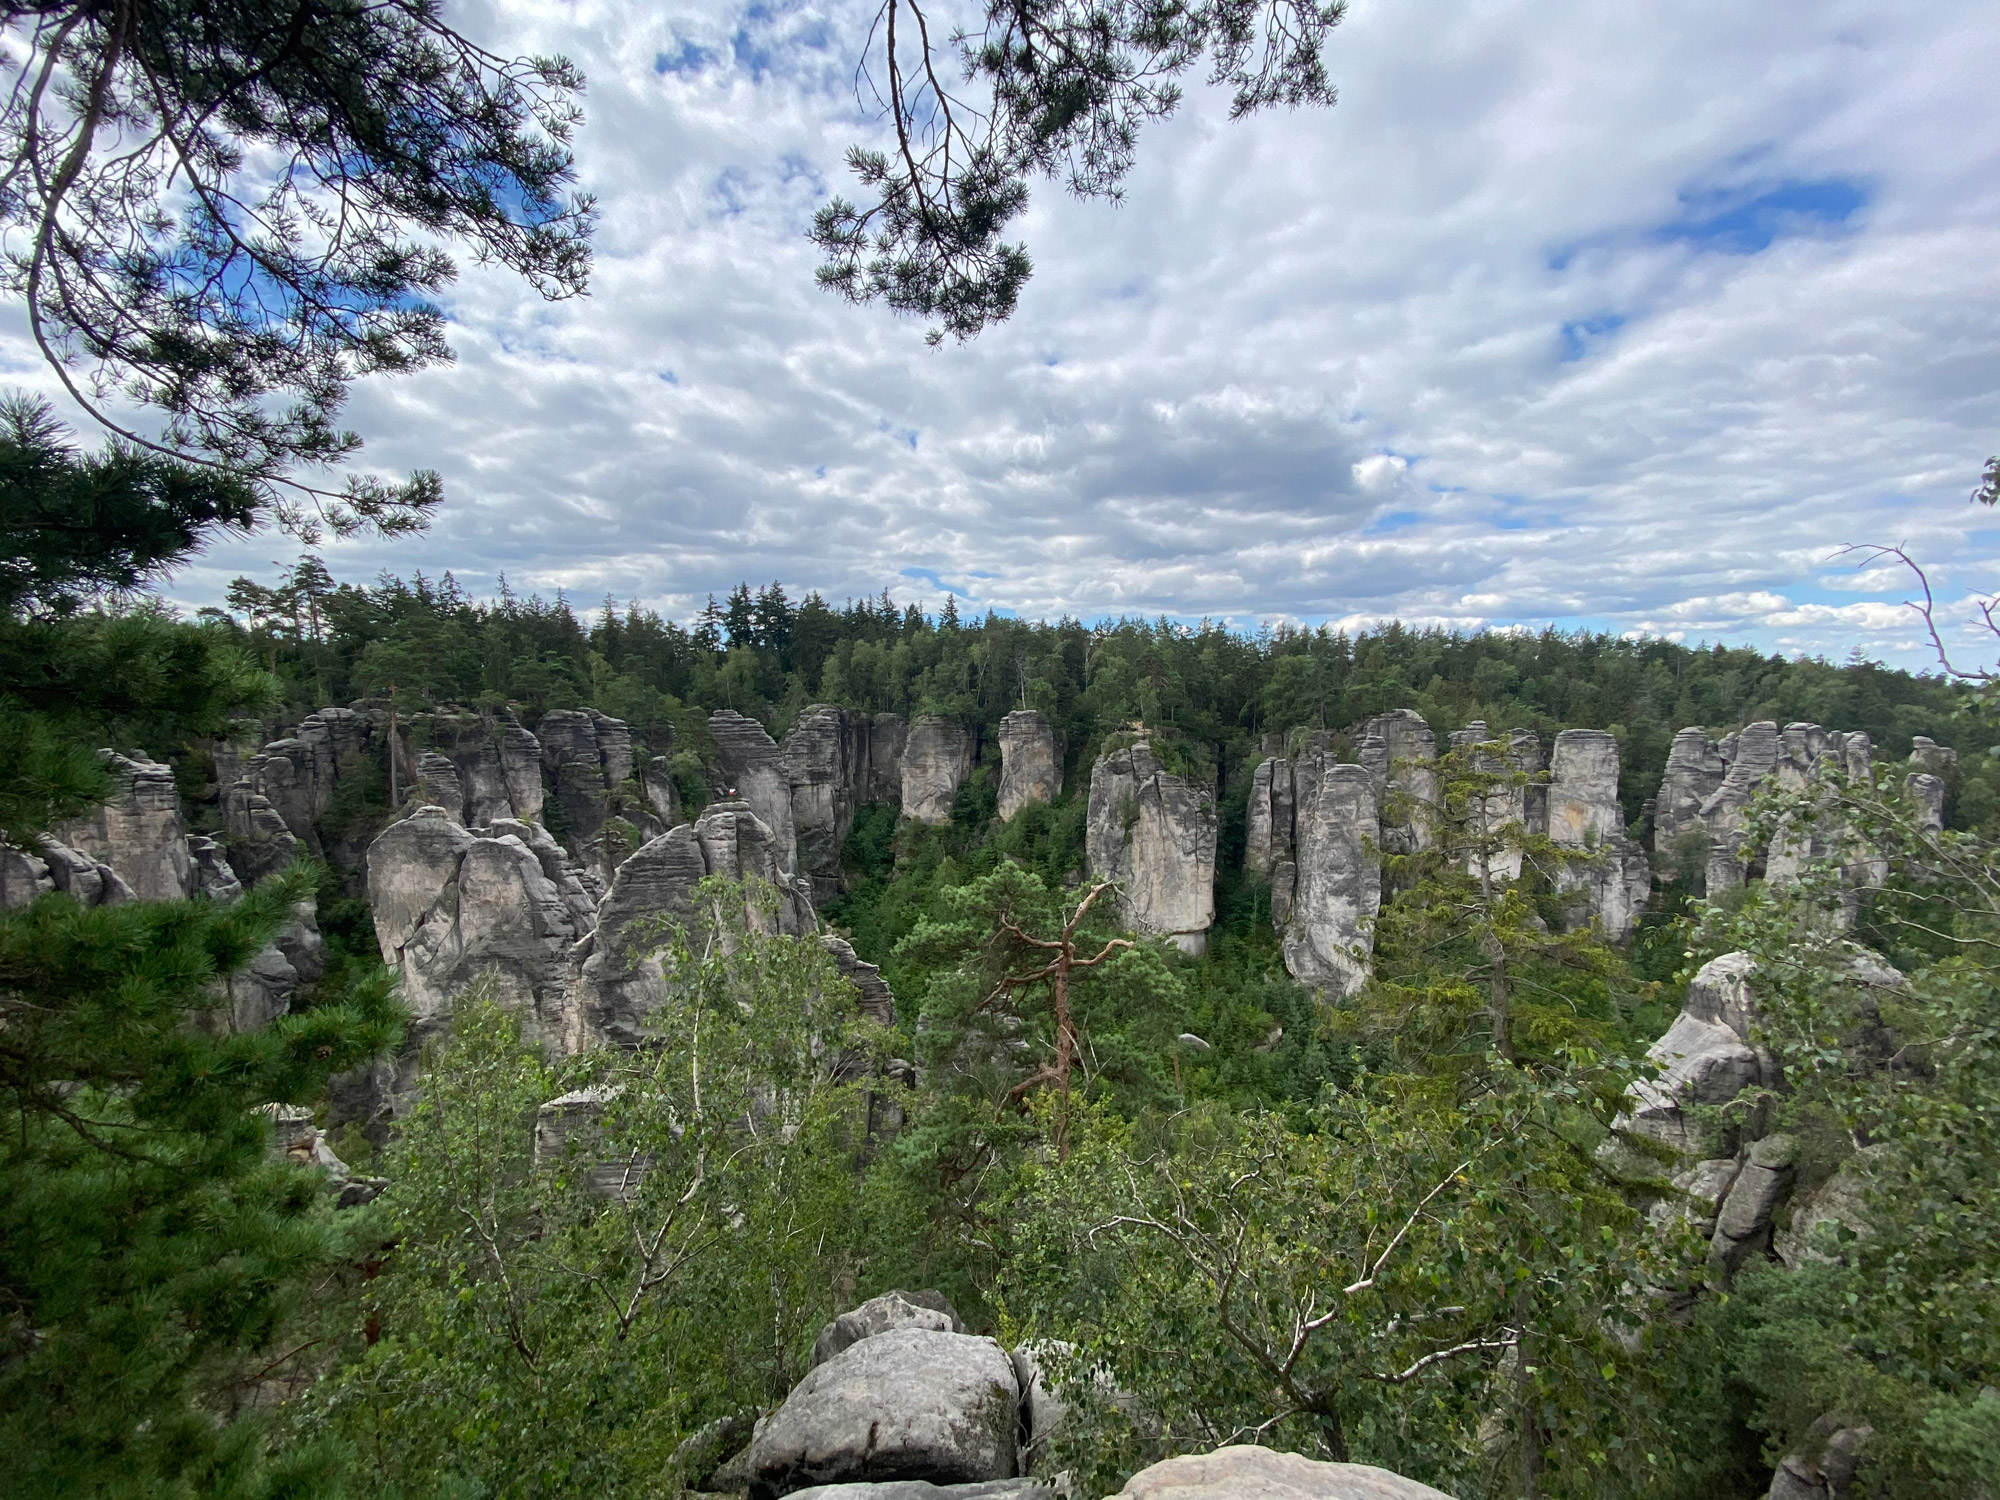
1743	1227
757	776
879	1315
260	842
588	757
1153	833
1694	772
81	878
1928	755
1242	1472
912	1403
1927	792
137	830
23	878
1337	890
877	1003
1698	1194
1042	1410
937	757
1826	1470
1030	769
620	982
1755	759
836	760
265	990
452	907
1401	753
1268	826
213	876
1585	816
1822	1218
1705	1058
923	1489
438	785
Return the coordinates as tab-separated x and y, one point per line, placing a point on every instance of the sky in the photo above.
1621	317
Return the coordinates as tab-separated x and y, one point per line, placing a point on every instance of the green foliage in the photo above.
1898	1328
235	210
555	1322
150	1252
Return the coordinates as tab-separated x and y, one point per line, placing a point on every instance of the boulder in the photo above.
620	980
1337	885
937	758
23	878
1826	1470
755	770
879	1315
911	1403
1743	1227
923	1489
1242	1472
1154	833
137	830
1030	768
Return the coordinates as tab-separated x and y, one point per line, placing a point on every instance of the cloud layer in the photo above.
1621	316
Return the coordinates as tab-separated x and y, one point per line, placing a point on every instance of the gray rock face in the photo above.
835	760
1523	807
1827	1472
1400	751
1743	1227
1242	1472
1928	755
911	1403
297	774
260	843
1927	792
495	766
1756	758
1706	1057
1695	769
756	770
81	878
879	1315
1154	833
23	878
923	1489
138	830
620	981
1337	887
937	758
588	757
1030	769
877	1003
452	906
1585	816
265	990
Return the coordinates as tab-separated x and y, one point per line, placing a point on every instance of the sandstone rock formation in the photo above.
1705	1058
1400	751
835	760
1584	816
620	982
1242	1472
937	758
260	843
453	906
1337	888
138	830
588	758
907	1403
756	773
1154	833
1522	806
495	764
880	1314
1030	769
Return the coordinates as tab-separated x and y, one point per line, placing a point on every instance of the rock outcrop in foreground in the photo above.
1154	833
1242	1472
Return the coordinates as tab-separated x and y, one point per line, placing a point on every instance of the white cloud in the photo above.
1483	344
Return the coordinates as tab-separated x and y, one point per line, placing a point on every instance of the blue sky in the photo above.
1628	316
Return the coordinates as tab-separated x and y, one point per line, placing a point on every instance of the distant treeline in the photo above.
766	655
